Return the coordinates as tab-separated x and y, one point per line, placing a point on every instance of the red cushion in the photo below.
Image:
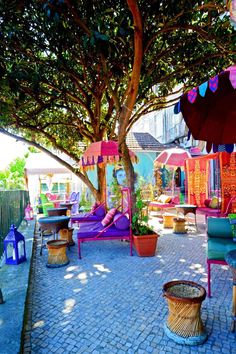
207	202
109	217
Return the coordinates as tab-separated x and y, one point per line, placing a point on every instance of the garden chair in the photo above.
46	204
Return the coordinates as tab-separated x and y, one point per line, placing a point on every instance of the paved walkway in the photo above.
109	302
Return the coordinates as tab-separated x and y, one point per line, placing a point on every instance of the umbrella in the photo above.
172	158
102	152
210	110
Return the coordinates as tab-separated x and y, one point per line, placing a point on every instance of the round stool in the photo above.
179	226
184	324
57	211
230	258
57	254
168	220
66	234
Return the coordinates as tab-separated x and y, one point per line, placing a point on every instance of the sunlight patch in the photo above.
38	324
69	304
69	276
71	268
102	268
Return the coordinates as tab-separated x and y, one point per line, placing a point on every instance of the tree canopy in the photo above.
81	71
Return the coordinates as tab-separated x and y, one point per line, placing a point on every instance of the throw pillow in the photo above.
121	222
101	211
207	203
164	199
214	203
109	217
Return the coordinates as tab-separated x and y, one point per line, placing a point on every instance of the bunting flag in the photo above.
229	148
215	148
221	148
202	89
192	95
177	108
213	83
189	135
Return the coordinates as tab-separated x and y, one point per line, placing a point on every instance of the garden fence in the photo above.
12	206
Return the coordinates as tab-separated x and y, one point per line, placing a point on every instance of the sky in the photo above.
10	149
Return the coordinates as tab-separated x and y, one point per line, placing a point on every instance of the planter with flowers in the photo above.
144	238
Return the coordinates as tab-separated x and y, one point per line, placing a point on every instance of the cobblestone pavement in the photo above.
109	302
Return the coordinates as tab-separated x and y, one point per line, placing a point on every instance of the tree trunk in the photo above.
101	175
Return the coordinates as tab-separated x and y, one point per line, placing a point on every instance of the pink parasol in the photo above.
172	158
102	152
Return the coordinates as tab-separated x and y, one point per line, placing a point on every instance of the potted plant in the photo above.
144	238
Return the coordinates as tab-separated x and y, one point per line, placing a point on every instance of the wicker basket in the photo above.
168	221
66	234
179	226
57	253
184	324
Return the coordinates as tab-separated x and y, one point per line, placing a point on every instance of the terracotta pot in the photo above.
145	245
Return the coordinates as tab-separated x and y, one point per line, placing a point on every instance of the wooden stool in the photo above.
66	234
184	324
168	220
179	226
57	254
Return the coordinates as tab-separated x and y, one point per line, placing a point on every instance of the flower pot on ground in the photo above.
145	245
144	238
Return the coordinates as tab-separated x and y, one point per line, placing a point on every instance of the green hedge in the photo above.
12	207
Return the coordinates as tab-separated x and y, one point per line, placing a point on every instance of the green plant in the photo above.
140	224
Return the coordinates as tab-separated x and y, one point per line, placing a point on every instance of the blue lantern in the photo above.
14	247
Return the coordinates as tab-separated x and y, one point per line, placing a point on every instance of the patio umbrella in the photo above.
210	110
103	152
173	158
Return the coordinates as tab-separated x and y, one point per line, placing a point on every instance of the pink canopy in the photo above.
102	152
172	158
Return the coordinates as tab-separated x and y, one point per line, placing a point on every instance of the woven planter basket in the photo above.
184	324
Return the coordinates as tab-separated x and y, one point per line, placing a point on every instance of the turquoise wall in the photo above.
144	168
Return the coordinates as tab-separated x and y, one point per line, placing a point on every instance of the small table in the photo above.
186	209
230	258
53	223
57	211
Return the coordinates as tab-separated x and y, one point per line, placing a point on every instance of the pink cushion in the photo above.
121	222
207	202
109	217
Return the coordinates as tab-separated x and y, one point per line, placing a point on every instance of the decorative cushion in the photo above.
101	211
207	202
214	203
164	199
94	206
122	223
109	217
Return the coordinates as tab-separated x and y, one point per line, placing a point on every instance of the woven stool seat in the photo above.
168	220
57	254
179	226
184	324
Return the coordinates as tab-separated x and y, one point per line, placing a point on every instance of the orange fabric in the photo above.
228	177
197	176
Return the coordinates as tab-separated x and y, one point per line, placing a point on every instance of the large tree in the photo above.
81	71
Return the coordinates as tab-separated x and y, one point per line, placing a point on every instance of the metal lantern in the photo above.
29	213
14	247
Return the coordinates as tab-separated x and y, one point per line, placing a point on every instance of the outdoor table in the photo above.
186	209
230	258
57	211
53	223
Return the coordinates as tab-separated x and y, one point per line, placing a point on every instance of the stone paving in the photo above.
109	302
